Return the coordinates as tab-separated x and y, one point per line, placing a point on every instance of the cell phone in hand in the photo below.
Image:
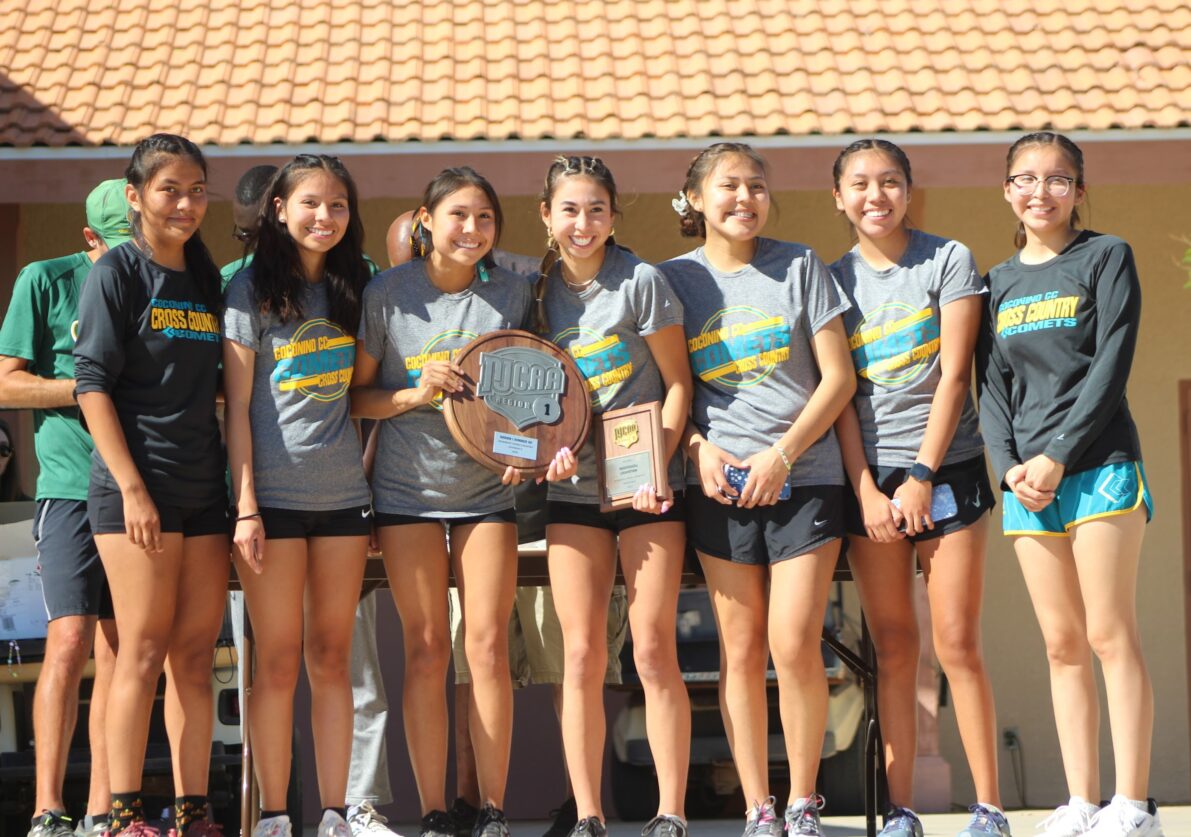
737	477
942	504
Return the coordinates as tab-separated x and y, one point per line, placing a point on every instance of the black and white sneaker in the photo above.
565	817
464	815
437	824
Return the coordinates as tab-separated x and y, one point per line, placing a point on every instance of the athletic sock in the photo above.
127	808
340	811
187	809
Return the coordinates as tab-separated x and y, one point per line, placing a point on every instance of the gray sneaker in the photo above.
665	825
802	817
96	829
762	820
589	827
986	822
901	822
491	823
52	824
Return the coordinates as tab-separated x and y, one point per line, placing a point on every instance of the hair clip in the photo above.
681	205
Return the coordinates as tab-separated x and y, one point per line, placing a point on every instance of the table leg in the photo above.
249	792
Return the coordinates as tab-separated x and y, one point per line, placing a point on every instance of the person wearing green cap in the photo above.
37	372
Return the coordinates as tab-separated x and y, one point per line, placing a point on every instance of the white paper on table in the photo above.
22	609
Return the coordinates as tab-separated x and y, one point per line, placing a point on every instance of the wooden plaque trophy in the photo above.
632	453
523	399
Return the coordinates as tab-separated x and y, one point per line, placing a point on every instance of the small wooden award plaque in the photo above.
523	399
632	453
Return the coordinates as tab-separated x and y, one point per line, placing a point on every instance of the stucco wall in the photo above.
1151	218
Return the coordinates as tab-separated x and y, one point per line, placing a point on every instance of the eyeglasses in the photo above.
1057	185
241	235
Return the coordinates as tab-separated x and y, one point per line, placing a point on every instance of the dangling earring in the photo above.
551	244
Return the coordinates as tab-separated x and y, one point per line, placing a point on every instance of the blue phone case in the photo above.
942	503
737	477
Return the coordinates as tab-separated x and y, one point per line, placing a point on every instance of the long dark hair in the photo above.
150	156
278	280
1070	150
592	168
446	183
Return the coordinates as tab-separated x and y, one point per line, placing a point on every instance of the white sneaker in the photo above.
1070	820
333	825
1121	818
365	821
273	827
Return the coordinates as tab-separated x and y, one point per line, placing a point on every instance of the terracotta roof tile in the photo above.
264	71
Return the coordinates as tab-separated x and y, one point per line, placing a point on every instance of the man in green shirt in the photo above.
37	372
246	206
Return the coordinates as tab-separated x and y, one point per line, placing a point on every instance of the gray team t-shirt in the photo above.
305	449
893	330
749	340
603	327
420	471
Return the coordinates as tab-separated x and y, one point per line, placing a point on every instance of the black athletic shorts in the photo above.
762	535
968	480
105	508
589	514
502	516
72	578
333	523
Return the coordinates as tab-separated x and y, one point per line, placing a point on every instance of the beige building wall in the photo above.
1152	218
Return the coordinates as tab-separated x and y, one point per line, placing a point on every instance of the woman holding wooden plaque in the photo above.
416	317
620	321
772	371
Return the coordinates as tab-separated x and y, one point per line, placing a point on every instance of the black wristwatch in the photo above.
920	472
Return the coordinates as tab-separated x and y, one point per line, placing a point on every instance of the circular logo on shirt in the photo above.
604	361
895	343
739	346
316	362
442	346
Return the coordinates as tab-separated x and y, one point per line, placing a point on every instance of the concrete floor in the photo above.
1176	822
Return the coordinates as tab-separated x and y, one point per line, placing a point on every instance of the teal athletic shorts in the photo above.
1088	495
